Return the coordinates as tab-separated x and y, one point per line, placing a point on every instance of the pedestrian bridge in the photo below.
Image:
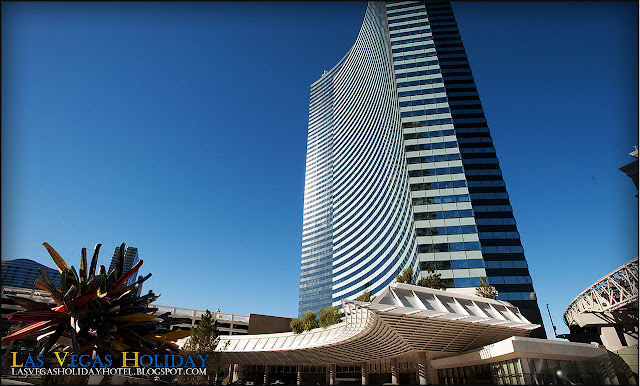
608	310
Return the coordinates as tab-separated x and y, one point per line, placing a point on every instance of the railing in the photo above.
614	291
26	293
193	313
219	316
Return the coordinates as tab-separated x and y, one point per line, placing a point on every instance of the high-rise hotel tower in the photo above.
401	170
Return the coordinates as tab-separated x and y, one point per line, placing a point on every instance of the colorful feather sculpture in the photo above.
96	312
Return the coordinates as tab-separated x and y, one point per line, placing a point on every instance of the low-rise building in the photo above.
417	335
226	324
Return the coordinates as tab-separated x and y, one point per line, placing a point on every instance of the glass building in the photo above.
21	273
130	259
401	170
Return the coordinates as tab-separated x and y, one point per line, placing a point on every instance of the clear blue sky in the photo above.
180	128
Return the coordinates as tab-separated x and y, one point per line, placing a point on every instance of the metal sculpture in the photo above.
95	312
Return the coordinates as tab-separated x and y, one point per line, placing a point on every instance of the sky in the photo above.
180	129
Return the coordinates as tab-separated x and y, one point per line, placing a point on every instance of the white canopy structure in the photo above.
403	319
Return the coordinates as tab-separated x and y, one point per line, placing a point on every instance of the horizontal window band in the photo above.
431	146
451	264
443	214
439	185
449	247
448	230
433	158
436	171
440	199
429	134
425	123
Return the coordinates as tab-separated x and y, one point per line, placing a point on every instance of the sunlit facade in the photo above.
21	273
401	168
357	227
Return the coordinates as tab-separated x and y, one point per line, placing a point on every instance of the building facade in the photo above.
21	273
357	225
401	170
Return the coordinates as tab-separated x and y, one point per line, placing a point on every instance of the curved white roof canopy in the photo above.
404	318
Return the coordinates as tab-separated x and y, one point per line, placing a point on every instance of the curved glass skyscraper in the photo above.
358	227
401	169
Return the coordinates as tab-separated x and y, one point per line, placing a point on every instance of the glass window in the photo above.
468	229
443	264
426	265
507	264
454	247
453	230
515	296
471	246
520	264
524	280
425	248
466	213
444	247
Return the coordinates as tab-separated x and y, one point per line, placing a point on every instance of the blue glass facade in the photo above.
461	222
130	259
22	272
357	223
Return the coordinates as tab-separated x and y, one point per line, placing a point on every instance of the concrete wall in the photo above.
265	324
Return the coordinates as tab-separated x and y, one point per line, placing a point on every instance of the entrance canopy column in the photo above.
364	368
332	374
394	371
265	378
427	375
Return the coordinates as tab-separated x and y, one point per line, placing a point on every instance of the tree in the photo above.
485	290
329	316
296	325
310	321
367	296
307	323
432	280
203	340
406	276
